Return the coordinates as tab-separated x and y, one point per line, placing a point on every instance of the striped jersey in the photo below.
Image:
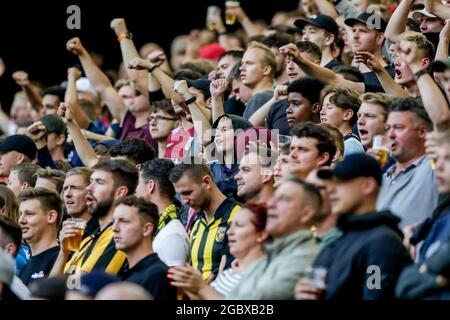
97	252
209	241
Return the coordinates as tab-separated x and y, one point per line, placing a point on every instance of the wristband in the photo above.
190	100
152	69
124	35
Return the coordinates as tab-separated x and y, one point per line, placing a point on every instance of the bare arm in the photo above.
398	20
433	100
259	117
388	84
437	8
250	29
201	123
95	136
4	121
98	79
327	8
84	149
217	89
129	52
323	74
444	40
71	97
21	78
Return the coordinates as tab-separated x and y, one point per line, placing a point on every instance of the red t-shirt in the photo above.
177	143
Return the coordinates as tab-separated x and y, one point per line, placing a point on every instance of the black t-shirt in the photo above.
233	106
39	266
151	274
371	81
276	118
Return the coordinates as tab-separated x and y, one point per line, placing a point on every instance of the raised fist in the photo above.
74	45
21	78
218	87
74	73
119	26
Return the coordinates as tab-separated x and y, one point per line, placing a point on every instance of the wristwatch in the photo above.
124	35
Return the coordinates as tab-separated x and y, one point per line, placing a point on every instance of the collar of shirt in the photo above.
390	172
142	264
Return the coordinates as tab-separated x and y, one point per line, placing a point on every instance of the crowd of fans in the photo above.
308	158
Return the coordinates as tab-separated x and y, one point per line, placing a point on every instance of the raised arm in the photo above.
432	97
327	8
201	123
259	117
98	79
84	149
444	40
321	73
437	8
397	23
347	9
217	89
389	85
244	20
4	121
129	52
21	78
71	97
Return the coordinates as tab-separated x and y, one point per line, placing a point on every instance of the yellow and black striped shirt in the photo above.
97	252
209	241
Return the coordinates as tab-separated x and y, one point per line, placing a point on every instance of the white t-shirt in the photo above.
172	244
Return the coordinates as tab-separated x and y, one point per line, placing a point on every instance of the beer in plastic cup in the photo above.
380	149
73	243
230	18
317	276
212	11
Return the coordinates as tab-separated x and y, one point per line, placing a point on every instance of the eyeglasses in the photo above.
160	118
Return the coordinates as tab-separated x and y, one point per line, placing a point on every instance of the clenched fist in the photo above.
21	78
74	45
119	26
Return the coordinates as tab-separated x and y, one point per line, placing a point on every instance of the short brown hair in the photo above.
381	99
425	46
49	200
147	210
124	173
26	173
343	98
57	177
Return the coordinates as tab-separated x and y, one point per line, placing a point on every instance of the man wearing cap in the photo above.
368	35
365	262
323	31
16	149
428	21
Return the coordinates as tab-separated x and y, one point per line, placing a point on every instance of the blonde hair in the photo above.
268	59
381	99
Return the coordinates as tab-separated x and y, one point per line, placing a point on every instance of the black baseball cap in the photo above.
370	19
21	144
321	21
54	124
202	85
354	166
440	65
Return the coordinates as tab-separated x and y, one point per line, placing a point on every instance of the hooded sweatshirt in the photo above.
366	261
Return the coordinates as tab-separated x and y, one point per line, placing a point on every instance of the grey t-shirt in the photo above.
412	194
256	102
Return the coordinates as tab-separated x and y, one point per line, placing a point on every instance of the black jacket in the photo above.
365	262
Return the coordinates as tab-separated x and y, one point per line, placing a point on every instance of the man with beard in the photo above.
110	181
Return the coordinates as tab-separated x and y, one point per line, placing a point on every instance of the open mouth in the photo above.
89	200
363	133
323	120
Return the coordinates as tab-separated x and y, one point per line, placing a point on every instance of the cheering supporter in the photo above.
301	159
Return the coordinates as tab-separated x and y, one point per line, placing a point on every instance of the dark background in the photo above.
34	33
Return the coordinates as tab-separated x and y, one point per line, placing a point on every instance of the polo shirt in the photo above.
129	130
151	274
39	266
97	252
257	101
209	241
412	194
